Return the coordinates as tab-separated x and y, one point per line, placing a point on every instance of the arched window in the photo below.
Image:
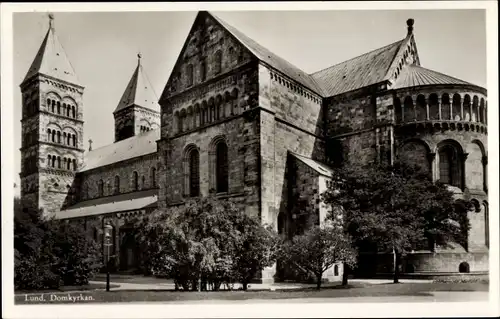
203	70
74	140
192	169
135	181
190	75
64	108
100	188
53	161
409	109
58	137
398	110
58	107
74	165
217	62
221	167
117	184
49	134
153	177
74	111
49	160
53	106
449	166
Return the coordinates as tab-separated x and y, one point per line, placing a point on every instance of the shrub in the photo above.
318	249
205	244
50	253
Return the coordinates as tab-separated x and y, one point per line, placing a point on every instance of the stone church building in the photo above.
239	123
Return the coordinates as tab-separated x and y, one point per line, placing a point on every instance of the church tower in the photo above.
138	110
52	127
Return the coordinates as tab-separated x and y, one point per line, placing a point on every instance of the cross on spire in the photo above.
139	56
90	144
51	20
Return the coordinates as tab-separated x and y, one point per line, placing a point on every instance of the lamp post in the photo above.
107	243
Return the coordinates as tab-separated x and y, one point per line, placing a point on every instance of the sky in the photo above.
103	47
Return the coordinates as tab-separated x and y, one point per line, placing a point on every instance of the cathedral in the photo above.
239	123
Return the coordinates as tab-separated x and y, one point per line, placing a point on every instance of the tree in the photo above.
49	253
397	208
205	243
318	249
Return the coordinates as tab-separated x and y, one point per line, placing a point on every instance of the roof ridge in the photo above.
358	56
127	139
296	73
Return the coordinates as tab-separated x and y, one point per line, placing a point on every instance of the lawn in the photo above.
379	290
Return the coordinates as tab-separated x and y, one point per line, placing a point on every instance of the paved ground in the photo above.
436	296
130	282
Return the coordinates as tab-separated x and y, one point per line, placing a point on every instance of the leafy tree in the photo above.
397	208
318	249
49	253
205	243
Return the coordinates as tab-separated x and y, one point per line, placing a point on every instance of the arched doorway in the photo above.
128	250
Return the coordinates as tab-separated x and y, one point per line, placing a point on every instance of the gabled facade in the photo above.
239	123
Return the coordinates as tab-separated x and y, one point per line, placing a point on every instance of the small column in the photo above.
451	110
431	158
402	113
464	160
427	109
439	108
485	173
462	100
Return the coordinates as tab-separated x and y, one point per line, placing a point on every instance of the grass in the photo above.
379	290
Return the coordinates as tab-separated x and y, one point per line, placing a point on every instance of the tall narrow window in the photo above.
135	181
450	166
58	107
58	162
190	74
117	184
194	173
153	177
100	188
74	111
203	70
445	161
221	167
74	164
218	62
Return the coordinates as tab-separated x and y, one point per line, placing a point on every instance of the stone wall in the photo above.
292	122
351	120
50	188
124	170
204	41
